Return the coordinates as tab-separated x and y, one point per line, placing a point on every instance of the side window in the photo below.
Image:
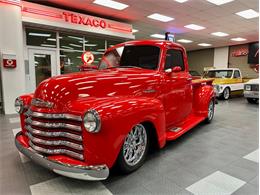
237	74
174	58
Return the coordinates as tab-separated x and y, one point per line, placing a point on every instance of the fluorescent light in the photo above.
63	56
51	39
160	17
184	41
40	56
220	34
39	34
78	38
67	47
219	2
238	39
90	45
47	45
101	50
248	14
204	44
75	45
194	27
181	1
159	36
111	4
134	30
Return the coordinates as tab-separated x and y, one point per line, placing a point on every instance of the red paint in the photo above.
41	12
9	63
120	98
240	52
87	58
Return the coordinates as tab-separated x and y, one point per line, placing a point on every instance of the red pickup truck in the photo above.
80	125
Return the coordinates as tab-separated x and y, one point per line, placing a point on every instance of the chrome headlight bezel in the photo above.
92	117
19	105
248	87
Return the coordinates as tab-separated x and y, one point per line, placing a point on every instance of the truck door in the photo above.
178	88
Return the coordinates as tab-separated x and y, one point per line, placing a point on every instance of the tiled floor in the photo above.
220	158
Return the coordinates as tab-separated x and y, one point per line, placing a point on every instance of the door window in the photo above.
236	74
174	58
42	64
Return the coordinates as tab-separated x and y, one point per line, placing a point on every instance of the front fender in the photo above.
118	116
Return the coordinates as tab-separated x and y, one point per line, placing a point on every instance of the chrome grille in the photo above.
55	133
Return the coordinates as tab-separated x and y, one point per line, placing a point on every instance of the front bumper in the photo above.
251	94
97	172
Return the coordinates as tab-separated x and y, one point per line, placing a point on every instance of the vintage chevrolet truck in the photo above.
80	125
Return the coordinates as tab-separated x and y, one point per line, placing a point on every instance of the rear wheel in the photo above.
226	93
134	149
252	100
211	110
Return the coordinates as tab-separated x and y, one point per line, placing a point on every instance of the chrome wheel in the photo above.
210	110
135	145
226	93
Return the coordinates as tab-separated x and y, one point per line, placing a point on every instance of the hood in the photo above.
62	90
253	81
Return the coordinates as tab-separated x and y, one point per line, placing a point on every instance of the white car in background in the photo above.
251	91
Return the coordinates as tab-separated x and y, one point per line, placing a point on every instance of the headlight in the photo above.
248	87
92	121
18	104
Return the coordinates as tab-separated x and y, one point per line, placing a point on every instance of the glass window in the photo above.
71	41
70	61
42	38
174	58
141	56
219	74
236	74
97	47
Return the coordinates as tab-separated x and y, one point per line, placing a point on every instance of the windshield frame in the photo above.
139	44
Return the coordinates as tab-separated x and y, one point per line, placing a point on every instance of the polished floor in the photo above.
220	158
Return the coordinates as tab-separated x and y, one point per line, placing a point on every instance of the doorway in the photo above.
42	65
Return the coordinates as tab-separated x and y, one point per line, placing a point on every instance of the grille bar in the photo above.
54	142
52	125
53	134
56	151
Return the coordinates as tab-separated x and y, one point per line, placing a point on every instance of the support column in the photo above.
221	57
11	42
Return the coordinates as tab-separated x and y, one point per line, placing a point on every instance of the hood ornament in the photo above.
41	103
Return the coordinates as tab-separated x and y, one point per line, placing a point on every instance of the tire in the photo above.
252	100
226	94
128	159
211	111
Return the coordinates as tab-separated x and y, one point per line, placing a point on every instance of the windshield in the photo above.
138	56
218	74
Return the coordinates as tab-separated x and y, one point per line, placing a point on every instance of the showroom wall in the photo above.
200	58
241	61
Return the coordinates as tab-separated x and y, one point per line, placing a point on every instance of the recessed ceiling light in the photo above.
160	17
220	34
159	36
204	44
78	38
111	4
75	45
134	30
238	39
67	47
90	45
47	45
51	39
184	41
219	2
39	34
194	27
248	14
181	1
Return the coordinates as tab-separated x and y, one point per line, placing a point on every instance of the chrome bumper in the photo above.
97	172
251	94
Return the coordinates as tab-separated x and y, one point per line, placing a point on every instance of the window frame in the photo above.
238	73
183	60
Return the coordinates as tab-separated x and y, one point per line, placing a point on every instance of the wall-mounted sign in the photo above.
87	58
253	55
9	61
240	52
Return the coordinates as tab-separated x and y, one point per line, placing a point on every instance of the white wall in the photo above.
221	57
11	42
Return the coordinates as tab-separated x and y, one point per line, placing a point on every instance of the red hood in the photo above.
62	90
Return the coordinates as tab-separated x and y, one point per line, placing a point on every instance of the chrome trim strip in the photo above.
52	125
54	142
56	151
92	172
53	134
53	116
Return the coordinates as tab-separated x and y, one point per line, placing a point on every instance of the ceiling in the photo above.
215	18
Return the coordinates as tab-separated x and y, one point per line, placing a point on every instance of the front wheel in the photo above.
211	111
226	93
134	149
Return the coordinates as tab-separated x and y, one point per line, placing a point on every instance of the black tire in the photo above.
123	165
226	94
210	115
252	100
